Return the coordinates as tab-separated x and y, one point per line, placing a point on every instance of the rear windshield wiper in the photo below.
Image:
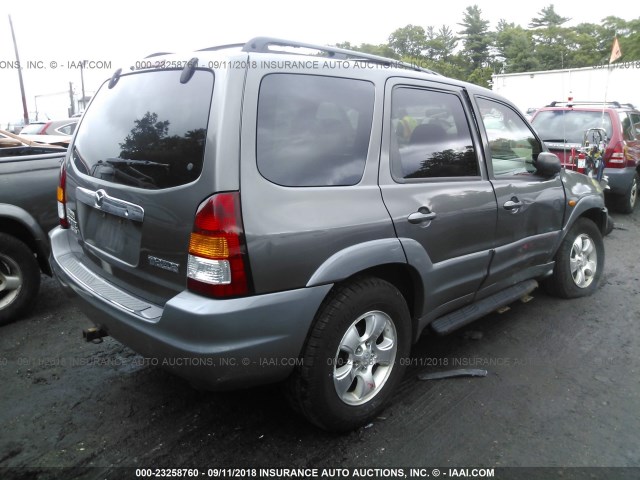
130	162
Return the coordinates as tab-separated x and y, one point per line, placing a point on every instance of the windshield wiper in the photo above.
130	162
559	140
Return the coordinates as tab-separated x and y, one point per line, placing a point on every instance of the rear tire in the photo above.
19	278
579	262
627	202
352	360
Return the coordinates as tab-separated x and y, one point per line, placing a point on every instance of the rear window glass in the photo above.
148	131
313	130
569	126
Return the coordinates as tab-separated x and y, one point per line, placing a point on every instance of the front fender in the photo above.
591	207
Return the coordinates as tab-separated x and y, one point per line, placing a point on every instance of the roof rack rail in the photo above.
157	54
556	103
262	44
221	47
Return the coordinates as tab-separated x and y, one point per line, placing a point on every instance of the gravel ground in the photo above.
562	390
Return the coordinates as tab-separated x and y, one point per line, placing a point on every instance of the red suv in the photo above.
562	127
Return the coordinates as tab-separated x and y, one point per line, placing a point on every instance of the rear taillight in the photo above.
62	197
616	156
218	265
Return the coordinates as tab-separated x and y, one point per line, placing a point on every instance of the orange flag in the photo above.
616	53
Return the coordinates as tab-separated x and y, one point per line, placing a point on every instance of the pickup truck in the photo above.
28	180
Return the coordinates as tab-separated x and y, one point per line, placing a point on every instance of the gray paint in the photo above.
357	258
302	241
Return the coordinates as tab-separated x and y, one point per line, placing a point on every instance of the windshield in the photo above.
147	131
569	126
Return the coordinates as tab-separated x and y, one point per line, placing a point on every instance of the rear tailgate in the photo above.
133	179
563	129
564	153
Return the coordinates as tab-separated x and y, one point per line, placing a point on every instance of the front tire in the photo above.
352	361
579	262
19	278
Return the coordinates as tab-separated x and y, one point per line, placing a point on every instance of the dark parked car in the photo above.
562	127
248	216
29	176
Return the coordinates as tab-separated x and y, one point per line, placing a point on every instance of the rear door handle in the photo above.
513	205
422	215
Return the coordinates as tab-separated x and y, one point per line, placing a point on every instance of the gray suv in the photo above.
253	215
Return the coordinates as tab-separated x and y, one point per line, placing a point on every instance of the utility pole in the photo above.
84	106
72	109
25	112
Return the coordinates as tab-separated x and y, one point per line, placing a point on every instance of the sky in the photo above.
54	36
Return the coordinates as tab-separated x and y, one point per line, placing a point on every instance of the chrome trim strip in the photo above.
114	206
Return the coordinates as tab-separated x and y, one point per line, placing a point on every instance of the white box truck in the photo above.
531	90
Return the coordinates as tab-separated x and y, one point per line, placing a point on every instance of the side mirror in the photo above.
547	164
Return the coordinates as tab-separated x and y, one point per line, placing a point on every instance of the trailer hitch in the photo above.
94	334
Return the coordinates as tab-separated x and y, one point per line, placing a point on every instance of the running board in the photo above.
468	314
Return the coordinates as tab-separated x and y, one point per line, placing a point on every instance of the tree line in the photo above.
474	52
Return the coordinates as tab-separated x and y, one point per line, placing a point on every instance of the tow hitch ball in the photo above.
94	335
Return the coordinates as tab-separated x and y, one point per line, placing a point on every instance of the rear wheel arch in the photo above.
407	280
402	276
384	259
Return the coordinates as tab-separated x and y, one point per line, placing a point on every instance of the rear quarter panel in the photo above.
292	231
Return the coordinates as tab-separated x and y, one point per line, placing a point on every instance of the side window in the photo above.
430	136
635	126
313	130
67	129
513	145
626	126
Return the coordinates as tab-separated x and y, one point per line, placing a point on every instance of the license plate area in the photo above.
110	227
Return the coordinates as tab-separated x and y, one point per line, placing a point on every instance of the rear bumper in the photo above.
214	344
619	179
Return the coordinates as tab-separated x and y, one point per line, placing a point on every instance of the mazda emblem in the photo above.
100	194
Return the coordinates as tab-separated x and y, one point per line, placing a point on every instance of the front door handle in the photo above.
422	215
513	205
